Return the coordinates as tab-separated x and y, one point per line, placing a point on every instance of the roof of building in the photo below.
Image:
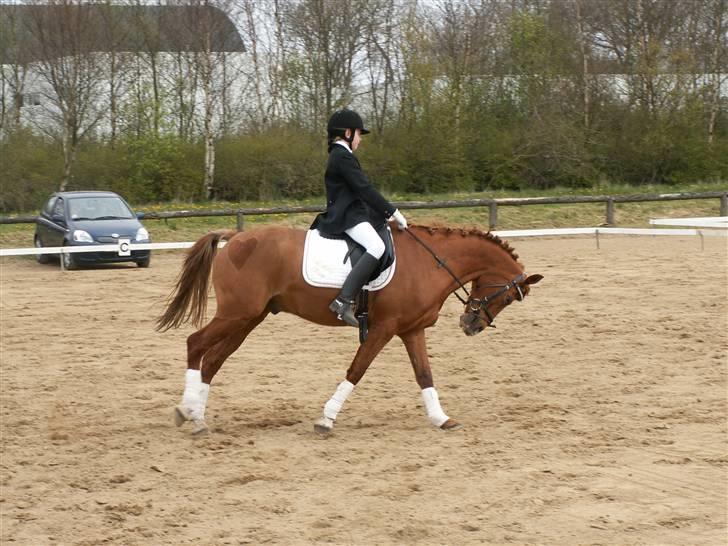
32	32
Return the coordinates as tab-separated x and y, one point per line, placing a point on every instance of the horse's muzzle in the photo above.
471	324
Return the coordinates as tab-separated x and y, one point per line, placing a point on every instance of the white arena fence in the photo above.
707	222
716	226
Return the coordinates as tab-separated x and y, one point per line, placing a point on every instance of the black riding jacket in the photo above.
350	197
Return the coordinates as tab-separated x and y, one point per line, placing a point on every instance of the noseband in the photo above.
475	305
481	304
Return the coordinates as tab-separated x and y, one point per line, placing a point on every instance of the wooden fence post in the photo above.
610	211
724	204
492	215
240	220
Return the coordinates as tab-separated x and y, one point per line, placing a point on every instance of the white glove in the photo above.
396	215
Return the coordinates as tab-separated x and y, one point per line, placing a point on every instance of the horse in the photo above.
259	272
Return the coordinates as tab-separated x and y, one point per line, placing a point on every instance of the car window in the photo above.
98	208
58	208
48	208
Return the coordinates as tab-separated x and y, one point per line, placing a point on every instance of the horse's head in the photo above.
488	298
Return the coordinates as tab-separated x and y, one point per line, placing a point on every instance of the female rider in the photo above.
353	206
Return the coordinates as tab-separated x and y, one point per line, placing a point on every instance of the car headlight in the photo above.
81	236
142	235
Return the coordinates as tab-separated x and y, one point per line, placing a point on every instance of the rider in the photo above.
353	206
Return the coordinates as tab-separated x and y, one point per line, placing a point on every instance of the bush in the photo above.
280	163
30	168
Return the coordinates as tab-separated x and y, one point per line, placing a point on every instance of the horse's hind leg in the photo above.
220	338
213	361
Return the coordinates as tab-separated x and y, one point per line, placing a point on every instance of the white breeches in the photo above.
367	236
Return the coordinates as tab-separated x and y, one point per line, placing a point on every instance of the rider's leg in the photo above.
367	236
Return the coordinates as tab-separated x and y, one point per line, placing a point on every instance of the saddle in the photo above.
356	251
328	259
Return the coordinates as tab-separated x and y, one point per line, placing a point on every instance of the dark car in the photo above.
83	218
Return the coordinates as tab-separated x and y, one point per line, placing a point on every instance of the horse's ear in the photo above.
533	279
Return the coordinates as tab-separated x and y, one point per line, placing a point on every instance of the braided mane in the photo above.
471	232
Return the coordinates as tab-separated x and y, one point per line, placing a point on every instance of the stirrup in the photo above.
344	311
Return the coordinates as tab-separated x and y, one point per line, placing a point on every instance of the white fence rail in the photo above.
121	248
124	247
706	222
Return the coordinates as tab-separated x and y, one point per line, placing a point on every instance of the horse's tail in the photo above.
188	300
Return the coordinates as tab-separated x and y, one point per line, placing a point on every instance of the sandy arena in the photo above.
594	414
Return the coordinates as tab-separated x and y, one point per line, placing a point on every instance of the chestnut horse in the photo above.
259	272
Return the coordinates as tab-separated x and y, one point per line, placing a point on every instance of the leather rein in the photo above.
475	305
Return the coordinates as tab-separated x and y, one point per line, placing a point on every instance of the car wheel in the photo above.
69	262
40	258
144	262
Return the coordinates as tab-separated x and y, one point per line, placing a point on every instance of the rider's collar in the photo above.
344	144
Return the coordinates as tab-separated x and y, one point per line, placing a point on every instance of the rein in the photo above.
475	304
441	263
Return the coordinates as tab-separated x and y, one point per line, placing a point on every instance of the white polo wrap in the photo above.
195	395
333	406
432	406
191	396
204	393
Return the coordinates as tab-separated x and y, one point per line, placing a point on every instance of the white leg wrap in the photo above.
432	406
195	396
333	406
191	396
204	393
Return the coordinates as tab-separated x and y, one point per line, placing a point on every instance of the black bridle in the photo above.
481	304
476	305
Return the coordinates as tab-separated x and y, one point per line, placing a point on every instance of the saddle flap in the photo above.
327	261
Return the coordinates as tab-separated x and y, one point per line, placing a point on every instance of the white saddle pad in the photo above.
323	263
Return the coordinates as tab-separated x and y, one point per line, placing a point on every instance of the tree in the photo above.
71	72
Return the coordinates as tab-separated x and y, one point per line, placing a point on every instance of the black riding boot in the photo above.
343	305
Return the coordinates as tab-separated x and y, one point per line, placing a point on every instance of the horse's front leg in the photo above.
417	350
376	340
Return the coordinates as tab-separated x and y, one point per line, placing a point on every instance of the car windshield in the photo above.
98	208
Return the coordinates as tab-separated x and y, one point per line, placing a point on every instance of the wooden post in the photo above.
240	220
610	212
724	204
492	215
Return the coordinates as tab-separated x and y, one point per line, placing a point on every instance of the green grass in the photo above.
521	217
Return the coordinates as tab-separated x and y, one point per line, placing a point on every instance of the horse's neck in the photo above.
473	255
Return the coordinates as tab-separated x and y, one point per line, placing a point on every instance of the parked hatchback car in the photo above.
82	218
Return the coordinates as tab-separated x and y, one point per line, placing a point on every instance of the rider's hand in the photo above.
399	218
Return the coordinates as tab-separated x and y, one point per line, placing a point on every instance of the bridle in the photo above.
476	305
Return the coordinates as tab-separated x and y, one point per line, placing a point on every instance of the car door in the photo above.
44	226
41	223
57	226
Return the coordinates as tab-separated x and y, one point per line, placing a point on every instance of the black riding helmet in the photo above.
341	120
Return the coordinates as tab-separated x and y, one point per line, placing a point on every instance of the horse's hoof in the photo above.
451	424
199	427
324	426
181	415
